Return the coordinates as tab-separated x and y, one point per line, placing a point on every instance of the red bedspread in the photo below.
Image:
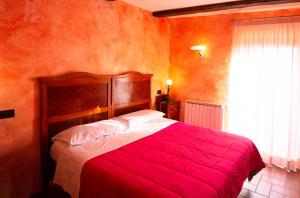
178	161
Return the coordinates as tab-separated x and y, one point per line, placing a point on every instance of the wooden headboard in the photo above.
79	98
69	100
130	92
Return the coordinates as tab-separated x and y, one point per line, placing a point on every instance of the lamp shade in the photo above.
169	82
198	47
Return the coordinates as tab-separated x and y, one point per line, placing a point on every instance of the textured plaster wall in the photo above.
46	38
205	79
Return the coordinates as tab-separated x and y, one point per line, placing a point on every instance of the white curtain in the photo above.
264	88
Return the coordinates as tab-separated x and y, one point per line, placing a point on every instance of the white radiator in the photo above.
203	114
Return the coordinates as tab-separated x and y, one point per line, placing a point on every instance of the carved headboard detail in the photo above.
130	92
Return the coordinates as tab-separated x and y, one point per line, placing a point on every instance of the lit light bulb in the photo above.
169	82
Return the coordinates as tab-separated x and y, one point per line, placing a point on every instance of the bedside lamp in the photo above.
169	83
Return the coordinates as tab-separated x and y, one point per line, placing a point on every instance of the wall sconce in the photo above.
200	49
169	83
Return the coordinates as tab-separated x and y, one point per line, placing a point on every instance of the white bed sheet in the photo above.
71	159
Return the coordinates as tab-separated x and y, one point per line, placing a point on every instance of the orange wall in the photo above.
45	38
39	38
205	79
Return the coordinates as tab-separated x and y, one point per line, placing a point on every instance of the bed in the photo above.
158	157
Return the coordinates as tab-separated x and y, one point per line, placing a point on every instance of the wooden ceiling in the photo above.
219	7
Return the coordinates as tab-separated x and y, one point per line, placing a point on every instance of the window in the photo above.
264	88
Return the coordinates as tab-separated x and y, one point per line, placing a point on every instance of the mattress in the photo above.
70	160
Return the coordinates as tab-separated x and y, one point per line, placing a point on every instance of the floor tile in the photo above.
255	180
264	188
280	174
244	193
285	191
269	171
293	181
251	194
255	195
272	182
249	186
274	194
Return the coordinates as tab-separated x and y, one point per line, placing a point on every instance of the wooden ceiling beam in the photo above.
219	7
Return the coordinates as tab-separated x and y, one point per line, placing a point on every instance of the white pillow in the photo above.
108	124
134	119
80	134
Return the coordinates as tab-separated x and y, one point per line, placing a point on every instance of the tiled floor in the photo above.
272	183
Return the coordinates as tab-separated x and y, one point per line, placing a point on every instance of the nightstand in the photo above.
51	192
170	108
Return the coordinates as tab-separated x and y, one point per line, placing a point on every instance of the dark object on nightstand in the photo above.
160	98
52	192
170	108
